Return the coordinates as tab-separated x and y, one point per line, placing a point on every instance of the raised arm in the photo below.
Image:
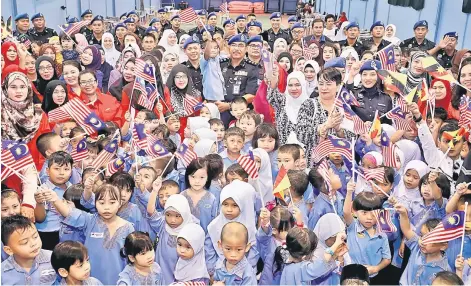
347	205
404	221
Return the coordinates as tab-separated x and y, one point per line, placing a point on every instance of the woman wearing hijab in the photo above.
461	97
55	96
205	147
50	51
22	121
45	67
279	47
457	59
316	52
180	86
91	60
310	70
182	55
169	60
128	76
10	54
390	35
285	60
351	57
111	54
170	42
415	73
105	68
442	93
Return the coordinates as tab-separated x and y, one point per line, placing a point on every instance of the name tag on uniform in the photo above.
48	272
207	206
242	73
96	234
236	89
380	104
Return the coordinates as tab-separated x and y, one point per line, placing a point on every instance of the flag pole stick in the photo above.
260	192
443	158
353	156
132	94
457	83
67	35
166	166
464	228
23	178
373	183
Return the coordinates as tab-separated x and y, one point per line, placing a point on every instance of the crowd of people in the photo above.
233	155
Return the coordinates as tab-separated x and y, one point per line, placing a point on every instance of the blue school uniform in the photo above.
129	276
226	160
215	188
75	178
88	281
176	138
418	270
303	207
67	232
302	273
454	247
419	213
41	272
133	214
52	222
322	205
267	245
174	175
213	79
247	147
4	254
467	273
220	146
242	273
344	175
205	210
103	250
364	249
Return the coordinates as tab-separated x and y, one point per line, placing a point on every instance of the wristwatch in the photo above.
329	251
418	119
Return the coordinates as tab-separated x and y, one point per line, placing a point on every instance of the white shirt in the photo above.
330	33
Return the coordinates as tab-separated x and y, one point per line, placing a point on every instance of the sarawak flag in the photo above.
454	136
383	221
281	184
375	127
431	65
393	81
451	227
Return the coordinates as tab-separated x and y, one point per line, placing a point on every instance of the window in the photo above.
466	6
416	4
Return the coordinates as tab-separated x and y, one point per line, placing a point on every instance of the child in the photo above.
104	231
47	219
28	263
447	278
339	167
234	268
203	204
168	189
239	105
439	116
234	142
11	205
366	244
266	137
70	261
425	260
68	50
248	122
72	196
167	225
213	80
263	184
210	111
191	265
299	182
216	174
236	172
141	269
274	227
47	144
289	156
173	124
370	160
408	189
218	126
354	274
66	128
386	185
299	268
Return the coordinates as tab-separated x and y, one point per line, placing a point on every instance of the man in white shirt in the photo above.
330	29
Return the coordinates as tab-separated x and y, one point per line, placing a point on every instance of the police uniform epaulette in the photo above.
224	60
250	62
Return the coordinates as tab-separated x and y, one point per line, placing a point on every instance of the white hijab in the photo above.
411	194
203	147
195	267
163	70
351	51
311	85
393	39
293	105
182	55
195	123
205	133
178	203
164	42
111	55
277	41
243	195
327	226
213	109
340	33
265	179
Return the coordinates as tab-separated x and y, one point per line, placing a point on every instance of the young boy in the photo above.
169	187
235	268
217	126
337	164
213	80
216	169
447	278
173	124
28	264
248	122
236	172
439	117
47	219
425	260
66	128
299	182
234	142
292	157
239	105
11	205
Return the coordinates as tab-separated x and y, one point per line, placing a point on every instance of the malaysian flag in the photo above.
71	29
15	156
223	8
359	127
108	152
402	104
144	70
185	154
24	39
308	53
332	145
155	148
115	165
87	119
57	115
191	105
81	151
6	172
465	112
147	99
188	15
451	227
386	57
347	97
399	117
389	151
383	221
247	162
139	136
376	174
323	170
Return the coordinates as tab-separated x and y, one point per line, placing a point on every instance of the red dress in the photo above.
106	107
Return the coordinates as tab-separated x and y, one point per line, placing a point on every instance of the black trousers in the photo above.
49	239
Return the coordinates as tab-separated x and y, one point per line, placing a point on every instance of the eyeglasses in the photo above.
49	68
297	31
255	46
88	82
240	46
181	77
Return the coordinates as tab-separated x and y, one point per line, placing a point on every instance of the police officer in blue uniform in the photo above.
176	23
87	15
353	32
419	41
291	20
254	55
120	29
199	29
98	27
212	21
240	77
22	25
193	45
123	17
229	27
131	25
163	15
140	31
241	22
275	32
445	55
39	32
369	95
253	28
377	32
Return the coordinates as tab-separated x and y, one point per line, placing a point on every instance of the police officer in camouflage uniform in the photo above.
419	41
275	32
39	32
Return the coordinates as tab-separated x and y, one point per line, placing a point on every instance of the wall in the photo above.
442	16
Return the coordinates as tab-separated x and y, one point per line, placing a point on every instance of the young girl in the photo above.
216	174
271	235
266	137
237	204
408	189
191	265
72	196
139	252
168	225
202	203
104	231
210	111
205	147
299	268
264	182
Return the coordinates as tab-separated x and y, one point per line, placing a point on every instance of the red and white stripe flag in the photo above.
247	162
108	152
144	70
189	103
57	115
83	116
185	154
15	157
223	8
376	174
451	227
188	15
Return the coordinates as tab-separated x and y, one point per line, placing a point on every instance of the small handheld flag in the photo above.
375	127
188	15
331	145
247	162
81	151
185	154
383	221
451	227
144	70
281	184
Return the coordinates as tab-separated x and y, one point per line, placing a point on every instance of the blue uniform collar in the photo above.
361	229
238	270
10	262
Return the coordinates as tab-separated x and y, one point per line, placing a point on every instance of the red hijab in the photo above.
5	47
444	102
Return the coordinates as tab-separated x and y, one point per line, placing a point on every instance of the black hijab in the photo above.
178	95
290	58
41	83
48	102
116	89
171	79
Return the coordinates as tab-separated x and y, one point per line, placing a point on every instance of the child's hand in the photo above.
459	263
51	196
157	184
64	143
351	186
392	200
432	176
39	197
461	188
339	240
89	183
139	183
297	214
400	209
401	249
414	109
371	269
127	116
264	217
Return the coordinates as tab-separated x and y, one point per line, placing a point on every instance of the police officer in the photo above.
254	55
119	31
212	21
192	48
22	25
291	21
40	32
163	15
275	32
369	95
176	23
241	22
87	15
199	29
98	27
419	40
353	31
131	25
254	28
140	31
229	27
446	54
123	17
240	78
377	32
297	32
